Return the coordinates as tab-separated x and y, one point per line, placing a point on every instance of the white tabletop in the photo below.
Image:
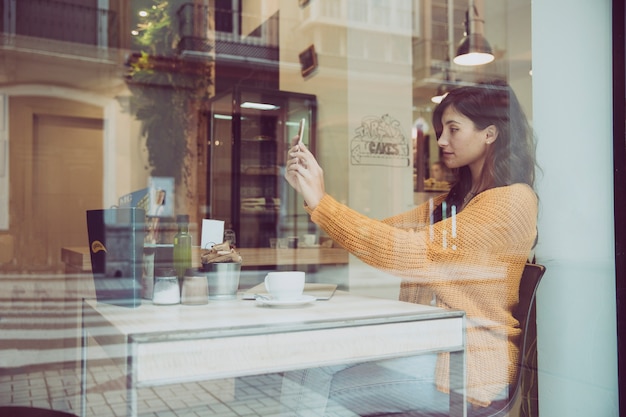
342	309
239	337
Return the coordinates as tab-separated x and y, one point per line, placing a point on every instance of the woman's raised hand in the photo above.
304	174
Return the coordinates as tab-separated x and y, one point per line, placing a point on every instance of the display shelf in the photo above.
250	131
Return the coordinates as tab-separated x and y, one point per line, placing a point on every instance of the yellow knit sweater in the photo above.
472	262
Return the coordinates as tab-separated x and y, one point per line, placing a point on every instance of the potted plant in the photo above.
168	93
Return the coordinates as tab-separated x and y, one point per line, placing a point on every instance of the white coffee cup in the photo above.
285	285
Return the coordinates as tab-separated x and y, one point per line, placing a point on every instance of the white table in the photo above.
173	344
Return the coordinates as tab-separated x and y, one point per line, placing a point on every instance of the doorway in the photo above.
59	148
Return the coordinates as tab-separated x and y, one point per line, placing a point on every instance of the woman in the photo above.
467	247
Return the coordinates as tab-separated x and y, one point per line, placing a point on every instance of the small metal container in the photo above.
223	280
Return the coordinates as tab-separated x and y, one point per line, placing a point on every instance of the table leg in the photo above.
458	397
131	378
83	364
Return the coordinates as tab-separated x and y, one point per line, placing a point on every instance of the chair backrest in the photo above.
527	315
524	392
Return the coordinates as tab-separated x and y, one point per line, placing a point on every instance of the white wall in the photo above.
328	84
378	100
572	117
359	85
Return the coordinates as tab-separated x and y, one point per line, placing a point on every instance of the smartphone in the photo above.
301	130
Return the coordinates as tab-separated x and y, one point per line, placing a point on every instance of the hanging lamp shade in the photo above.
473	50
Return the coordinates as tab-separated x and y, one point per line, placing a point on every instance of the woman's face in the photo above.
462	144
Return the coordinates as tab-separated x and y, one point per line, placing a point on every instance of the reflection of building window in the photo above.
64	22
308	61
224	16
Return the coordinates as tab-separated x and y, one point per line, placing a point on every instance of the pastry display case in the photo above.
250	132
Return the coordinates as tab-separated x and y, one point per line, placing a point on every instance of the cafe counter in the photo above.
77	259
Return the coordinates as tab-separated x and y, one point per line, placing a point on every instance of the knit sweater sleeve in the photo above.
472	261
497	223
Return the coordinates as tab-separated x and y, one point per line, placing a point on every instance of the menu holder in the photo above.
116	240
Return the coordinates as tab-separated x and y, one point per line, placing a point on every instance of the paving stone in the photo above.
257	396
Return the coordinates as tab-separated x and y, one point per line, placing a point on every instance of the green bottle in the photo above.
182	246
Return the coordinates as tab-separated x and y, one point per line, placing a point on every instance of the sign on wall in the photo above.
380	141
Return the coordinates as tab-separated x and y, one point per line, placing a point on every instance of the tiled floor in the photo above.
60	390
33	346
37	323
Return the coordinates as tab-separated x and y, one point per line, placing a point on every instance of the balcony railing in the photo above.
194	29
59	21
203	29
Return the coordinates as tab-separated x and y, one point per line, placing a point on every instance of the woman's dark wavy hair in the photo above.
510	158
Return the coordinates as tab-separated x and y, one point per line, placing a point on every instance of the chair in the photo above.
523	398
524	393
526	313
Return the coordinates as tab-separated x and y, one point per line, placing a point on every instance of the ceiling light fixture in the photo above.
473	49
258	106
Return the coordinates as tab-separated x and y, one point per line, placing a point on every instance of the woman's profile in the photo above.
465	249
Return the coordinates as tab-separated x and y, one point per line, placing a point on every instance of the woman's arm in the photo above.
496	228
417	218
499	223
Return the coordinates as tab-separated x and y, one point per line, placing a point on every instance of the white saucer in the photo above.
305	299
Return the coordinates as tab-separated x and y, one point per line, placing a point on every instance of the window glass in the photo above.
126	124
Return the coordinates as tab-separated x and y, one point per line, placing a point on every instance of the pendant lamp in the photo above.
473	49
